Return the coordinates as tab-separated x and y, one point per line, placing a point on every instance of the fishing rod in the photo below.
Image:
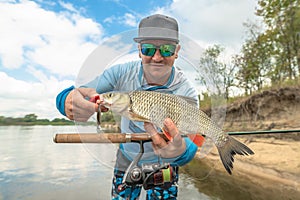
263	132
101	137
136	137
105	137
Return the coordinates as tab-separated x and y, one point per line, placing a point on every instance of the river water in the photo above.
33	167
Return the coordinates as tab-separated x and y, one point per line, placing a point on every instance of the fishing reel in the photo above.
148	175
151	175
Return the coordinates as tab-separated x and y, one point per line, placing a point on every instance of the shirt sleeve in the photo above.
186	157
102	83
108	80
61	98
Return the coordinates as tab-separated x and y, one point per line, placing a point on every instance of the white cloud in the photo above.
127	19
47	45
21	97
212	22
130	20
57	41
67	6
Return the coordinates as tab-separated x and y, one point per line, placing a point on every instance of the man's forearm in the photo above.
61	98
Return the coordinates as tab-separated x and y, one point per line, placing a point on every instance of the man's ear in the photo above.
177	50
139	48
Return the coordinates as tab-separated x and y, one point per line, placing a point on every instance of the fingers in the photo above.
99	102
157	141
171	128
77	107
170	149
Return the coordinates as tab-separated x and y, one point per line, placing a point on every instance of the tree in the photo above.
254	61
272	54
282	20
217	76
108	117
30	118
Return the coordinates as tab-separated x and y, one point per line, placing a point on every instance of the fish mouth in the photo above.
107	105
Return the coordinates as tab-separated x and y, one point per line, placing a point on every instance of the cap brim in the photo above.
140	39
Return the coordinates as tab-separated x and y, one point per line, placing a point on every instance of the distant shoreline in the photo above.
32	120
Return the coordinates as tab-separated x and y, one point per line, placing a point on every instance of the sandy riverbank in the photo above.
276	164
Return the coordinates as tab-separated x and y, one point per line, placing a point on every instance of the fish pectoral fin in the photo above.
197	138
137	117
167	134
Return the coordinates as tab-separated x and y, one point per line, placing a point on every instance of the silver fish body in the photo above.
155	107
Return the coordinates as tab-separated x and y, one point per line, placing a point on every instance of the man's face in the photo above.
157	68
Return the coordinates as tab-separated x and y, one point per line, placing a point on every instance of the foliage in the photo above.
282	18
272	54
217	76
32	119
108	117
254	60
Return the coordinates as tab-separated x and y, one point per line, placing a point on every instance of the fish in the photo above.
155	107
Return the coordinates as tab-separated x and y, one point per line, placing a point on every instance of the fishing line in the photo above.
99	129
208	174
212	168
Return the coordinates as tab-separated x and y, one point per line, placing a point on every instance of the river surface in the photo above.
33	167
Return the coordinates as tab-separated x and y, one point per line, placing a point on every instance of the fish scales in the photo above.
158	106
154	107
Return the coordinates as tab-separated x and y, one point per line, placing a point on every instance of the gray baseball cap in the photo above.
158	27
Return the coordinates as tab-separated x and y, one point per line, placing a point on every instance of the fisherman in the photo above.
158	45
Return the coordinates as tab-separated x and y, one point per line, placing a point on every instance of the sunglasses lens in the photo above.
167	50
148	49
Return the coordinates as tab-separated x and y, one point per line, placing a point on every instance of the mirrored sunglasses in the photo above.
166	50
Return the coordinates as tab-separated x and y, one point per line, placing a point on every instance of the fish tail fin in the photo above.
231	148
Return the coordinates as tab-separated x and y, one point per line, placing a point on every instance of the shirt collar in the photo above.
145	86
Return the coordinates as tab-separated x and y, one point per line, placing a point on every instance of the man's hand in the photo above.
77	107
169	149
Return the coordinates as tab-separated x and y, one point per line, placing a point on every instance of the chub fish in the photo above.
155	107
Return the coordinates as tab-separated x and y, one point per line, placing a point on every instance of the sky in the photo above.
43	44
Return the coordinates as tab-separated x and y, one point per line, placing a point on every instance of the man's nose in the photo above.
157	56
